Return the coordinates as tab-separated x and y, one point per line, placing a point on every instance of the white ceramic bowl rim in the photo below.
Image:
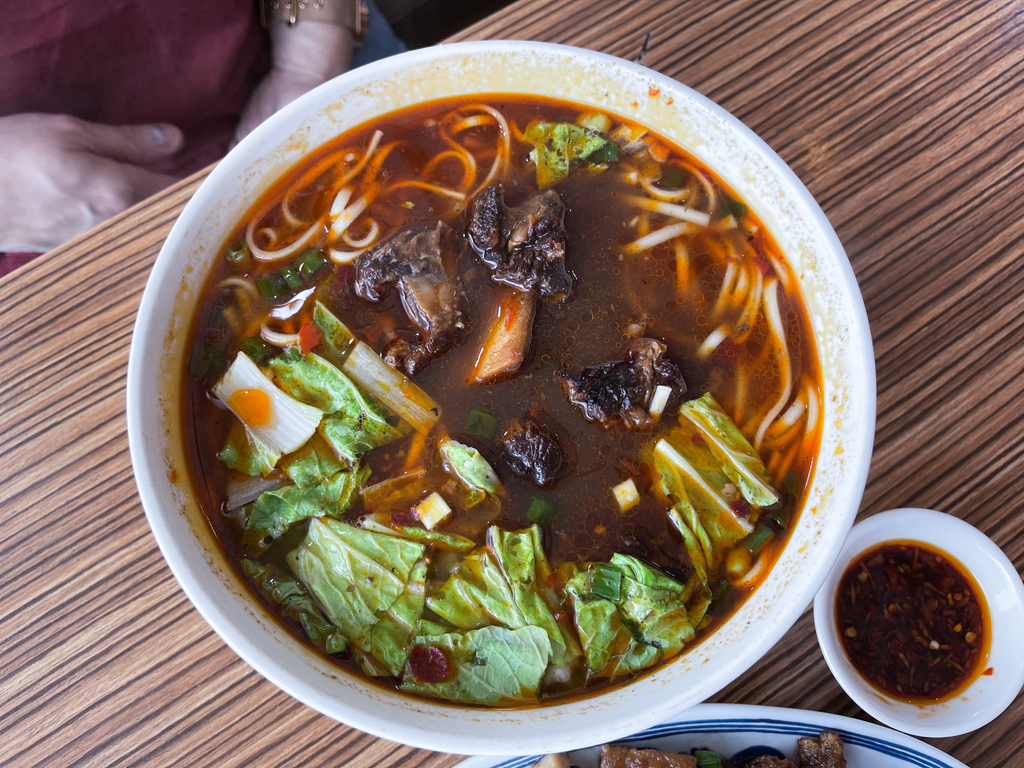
988	695
728	147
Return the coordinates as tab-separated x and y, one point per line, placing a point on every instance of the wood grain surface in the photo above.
906	122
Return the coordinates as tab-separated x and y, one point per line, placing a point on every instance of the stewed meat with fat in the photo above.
524	246
422	263
824	752
613	756
620	392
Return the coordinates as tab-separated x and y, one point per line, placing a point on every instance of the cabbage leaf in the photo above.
357	576
297	604
492	665
312	463
391	637
470	468
245	452
735	454
561	148
275	511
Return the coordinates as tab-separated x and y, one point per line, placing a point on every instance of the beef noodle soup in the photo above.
501	400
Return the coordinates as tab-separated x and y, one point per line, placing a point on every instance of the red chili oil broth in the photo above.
913	622
612	291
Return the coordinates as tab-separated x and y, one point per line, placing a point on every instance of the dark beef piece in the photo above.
826	752
620	392
524	246
421	262
532	452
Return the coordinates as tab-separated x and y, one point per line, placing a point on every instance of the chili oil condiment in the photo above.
912	621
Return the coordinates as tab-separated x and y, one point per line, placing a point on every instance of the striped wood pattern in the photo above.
904	119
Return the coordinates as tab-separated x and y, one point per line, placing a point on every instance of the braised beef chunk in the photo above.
524	246
531	452
421	262
825	752
621	391
625	757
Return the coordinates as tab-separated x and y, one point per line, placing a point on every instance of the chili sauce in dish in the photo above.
912	621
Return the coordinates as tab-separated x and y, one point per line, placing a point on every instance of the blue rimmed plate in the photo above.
729	728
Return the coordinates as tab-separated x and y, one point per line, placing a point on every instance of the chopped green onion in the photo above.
607	582
272	286
707	759
720	592
311	263
737	209
238	253
258	350
292	278
777	517
541	511
409	204
756	540
481	424
671	178
608	153
791	483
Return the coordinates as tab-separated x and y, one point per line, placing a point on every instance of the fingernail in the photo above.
156	136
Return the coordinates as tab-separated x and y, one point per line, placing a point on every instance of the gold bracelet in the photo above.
351	14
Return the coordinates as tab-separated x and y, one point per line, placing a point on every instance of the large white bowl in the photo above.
719	140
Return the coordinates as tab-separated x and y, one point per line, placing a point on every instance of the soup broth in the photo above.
513	494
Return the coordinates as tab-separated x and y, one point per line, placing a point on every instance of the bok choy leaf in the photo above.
353	423
367	369
492	665
276	418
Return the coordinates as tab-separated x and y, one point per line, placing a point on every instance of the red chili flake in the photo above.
633	104
652	91
670	101
988	671
309	337
740	508
696	438
728	349
404	517
762	263
429	664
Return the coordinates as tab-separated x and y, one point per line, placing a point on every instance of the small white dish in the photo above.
989	693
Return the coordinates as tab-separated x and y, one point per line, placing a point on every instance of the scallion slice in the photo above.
481	424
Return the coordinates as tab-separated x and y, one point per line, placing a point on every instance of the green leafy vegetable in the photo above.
470	468
391	637
707	759
368	370
312	463
493	665
245	452
561	148
481	424
654	605
357	576
607	582
735	454
505	584
297	603
274	511
257	349
353	423
447	541
541	511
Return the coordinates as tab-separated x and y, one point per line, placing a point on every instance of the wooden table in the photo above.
905	120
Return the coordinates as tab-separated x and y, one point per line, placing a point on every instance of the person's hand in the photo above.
60	176
304	56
